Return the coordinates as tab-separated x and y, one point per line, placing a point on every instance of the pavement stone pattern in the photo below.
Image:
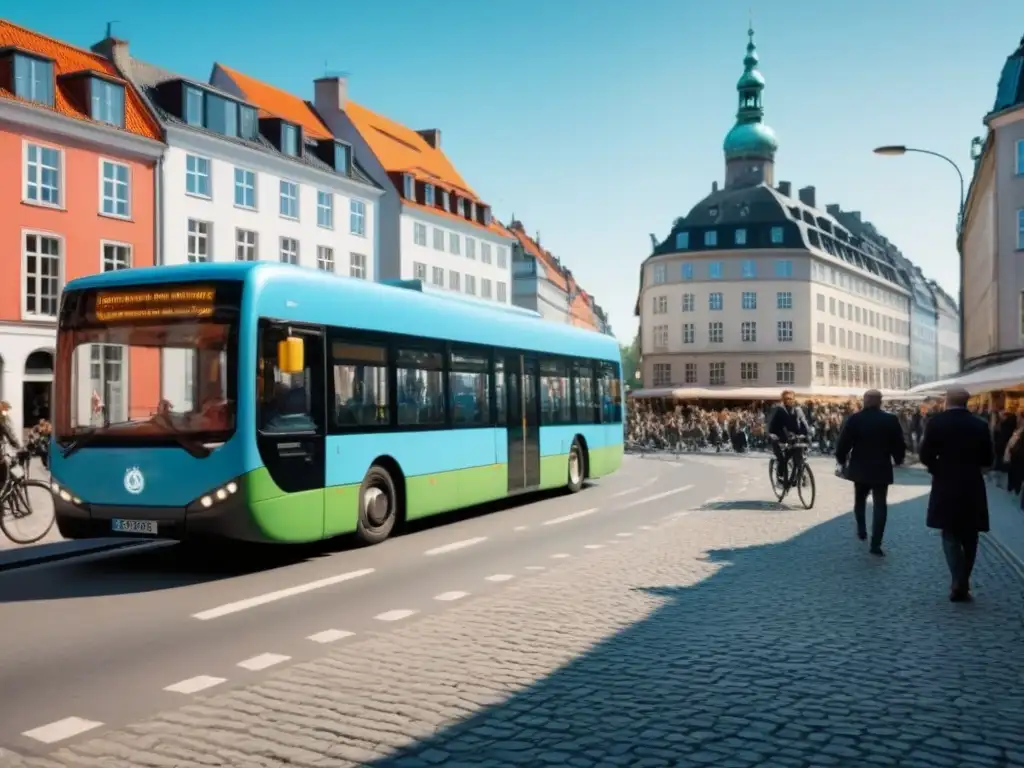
735	636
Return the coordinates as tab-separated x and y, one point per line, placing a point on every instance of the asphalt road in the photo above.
102	641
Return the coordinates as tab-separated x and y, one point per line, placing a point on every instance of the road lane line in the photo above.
573	516
655	497
281	594
624	535
594	546
536	567
195	684
61	729
396	615
263	661
626	492
646	527
330	635
520	528
650	481
561	555
454	546
447	597
501	577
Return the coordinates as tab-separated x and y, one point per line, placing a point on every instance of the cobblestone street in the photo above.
738	634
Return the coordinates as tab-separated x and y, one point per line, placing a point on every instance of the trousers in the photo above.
879	512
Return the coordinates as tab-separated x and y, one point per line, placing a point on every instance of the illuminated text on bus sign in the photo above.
156	304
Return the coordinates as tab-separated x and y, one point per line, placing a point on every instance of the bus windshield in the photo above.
129	377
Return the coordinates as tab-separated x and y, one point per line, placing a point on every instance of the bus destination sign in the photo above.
193	302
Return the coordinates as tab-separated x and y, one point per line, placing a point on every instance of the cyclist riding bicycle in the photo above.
9	442
786	422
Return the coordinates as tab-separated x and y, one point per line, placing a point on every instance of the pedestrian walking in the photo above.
870	443
957	449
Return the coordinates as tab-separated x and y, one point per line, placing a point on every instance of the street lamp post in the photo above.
891	150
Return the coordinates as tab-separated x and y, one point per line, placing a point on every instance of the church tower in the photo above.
750	145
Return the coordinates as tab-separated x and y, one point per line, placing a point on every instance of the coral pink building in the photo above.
79	152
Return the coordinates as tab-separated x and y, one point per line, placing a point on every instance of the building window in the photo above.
409	187
749	300
428	194
446	200
659	305
821	333
221	115
357	265
325	258
289	199
454	280
485	253
715	270
471	285
470	248
716	333
437	276
197	176
821	302
682	241
776	235
502	257
716	374
438	239
784	300
246	245
686	271
198	246
783	268
248	127
689	333
289	140
419	233
715	301
454	241
748	331
784	330
43	175
819	369
662	374
785	373
749	268
485	288
660	337
325	209
33	79
419	271
711	238
748	372
116	190
741	239
289	250
42	275
690	373
659	274
1020	230
245	188
502	292
689	302
1020	157
107	100
194	104
357	218
832	336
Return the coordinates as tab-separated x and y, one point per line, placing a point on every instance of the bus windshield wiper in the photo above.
79	442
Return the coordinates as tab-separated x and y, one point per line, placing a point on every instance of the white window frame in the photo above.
1019	159
418	267
244	186
61	245
501	292
104	161
784	333
281	251
61	175
1020	230
419	233
209	241
243	243
281	197
325	259
485	253
454	280
357	217
115	244
502	257
208	175
454	243
469	285
325	213
361	268
485	288
437	239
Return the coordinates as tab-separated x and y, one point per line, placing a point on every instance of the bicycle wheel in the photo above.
779	489
805	487
27	513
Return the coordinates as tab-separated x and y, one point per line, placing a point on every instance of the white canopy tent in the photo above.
994	378
765	393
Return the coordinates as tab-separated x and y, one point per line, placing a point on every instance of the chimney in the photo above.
113	50
855	215
833	210
807	196
714	187
432	136
330	94
536	239
785	188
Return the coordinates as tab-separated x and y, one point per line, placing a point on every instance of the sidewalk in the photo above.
739	634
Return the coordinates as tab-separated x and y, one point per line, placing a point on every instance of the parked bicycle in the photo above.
26	503
799	477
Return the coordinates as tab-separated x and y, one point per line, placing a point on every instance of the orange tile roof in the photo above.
274	102
67	59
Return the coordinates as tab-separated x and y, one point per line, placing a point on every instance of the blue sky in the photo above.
596	126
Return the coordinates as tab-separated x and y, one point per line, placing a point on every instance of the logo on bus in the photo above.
134	482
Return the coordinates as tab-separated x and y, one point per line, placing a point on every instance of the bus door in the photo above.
521	382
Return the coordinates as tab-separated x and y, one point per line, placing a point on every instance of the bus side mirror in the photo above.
290	355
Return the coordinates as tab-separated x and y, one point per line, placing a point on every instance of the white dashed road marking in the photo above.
646	528
655	497
281	594
535	567
624	535
263	661
447	597
594	546
626	492
573	516
396	615
330	635
455	545
62	729
195	684
501	577
561	555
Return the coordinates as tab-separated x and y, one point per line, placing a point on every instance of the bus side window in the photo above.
499	392
360	380
554	392
583	393
285	400
611	400
469	388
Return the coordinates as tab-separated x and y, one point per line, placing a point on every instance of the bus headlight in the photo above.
218	495
64	494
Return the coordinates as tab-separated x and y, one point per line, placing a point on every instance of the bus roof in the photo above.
290	292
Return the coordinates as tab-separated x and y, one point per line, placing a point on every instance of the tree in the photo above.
630	361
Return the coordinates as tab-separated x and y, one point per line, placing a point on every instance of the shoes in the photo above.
877	552
862	535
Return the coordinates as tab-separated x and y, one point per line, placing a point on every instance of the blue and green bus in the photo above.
272	403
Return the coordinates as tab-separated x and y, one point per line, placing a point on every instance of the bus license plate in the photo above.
134	526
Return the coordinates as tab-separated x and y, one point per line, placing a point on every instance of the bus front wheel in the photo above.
577	467
378	506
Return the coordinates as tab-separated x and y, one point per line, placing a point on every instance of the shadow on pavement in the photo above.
169	565
804	652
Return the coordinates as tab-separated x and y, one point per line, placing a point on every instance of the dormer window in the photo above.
428	194
462	207
195	113
248	125
215	112
107	101
33	79
446	200
472	211
290	139
409	186
221	115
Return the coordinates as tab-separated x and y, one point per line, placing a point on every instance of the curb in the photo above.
55	554
1015	563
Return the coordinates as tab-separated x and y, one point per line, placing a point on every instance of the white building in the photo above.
433	226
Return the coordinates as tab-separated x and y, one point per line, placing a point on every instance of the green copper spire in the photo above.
750	138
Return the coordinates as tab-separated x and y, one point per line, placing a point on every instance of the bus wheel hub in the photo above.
376	505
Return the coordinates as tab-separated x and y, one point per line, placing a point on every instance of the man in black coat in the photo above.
957	449
872	441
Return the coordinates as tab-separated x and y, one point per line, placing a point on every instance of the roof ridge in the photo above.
57	41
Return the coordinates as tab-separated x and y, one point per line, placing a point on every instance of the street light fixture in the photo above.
891	150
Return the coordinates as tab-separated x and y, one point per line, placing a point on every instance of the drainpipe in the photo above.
158	219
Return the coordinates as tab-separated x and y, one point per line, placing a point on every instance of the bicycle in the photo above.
800	475
16	502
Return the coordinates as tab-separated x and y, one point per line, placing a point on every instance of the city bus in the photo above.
272	403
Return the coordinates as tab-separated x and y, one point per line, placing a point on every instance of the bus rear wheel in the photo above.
378	506
577	467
